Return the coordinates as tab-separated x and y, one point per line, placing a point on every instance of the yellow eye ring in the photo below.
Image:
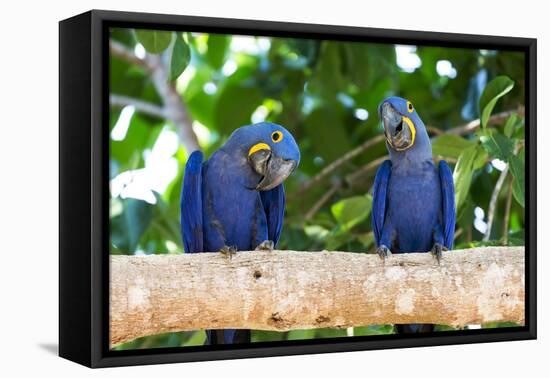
409	107
276	136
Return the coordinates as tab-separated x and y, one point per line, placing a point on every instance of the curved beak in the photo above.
273	169
399	130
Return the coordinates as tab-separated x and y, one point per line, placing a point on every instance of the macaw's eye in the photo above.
410	107
277	136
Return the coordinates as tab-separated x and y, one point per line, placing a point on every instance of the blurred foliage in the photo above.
326	93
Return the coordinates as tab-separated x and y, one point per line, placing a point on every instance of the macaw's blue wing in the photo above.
379	193
449	211
191	204
274	207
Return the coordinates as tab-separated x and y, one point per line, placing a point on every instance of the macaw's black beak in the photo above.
273	169
399	130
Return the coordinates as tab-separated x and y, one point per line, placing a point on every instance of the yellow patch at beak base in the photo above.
258	147
409	123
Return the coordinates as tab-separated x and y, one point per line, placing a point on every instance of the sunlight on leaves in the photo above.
154	41
496	88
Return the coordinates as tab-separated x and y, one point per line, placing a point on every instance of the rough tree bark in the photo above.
283	290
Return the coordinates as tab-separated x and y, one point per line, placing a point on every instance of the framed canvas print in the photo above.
234	188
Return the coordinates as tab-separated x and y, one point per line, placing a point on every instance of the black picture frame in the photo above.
84	195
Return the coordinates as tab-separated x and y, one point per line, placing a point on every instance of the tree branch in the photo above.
493	202
508	208
139	105
174	108
337	163
321	202
173	104
284	290
121	51
434	130
493	120
369	167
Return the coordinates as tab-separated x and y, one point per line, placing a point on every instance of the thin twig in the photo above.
124	53
139	105
508	207
494	119
321	202
493	202
434	130
352	177
337	163
458	232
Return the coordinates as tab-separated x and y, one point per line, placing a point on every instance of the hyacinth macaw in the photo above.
235	200
413	200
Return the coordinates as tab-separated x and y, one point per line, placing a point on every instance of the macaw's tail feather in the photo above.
227	336
414	328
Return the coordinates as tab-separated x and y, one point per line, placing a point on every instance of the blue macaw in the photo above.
413	200
235	200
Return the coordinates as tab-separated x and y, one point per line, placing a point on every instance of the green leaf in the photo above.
301	334
367	239
259	336
336	239
128	227
448	145
316	232
217	49
481	158
501	325
122	35
517	168
511	123
464	169
327	78
351	211
125	78
516	237
201	105
307	48
497	145
326	124
519	132
140	135
373	330
154	41
198	338
181	54
444	327
235	106
496	88
138	215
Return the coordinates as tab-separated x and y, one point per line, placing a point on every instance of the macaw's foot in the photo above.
383	252
228	251
266	245
437	251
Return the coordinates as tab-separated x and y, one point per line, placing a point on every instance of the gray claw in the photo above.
437	251
383	252
266	245
228	251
